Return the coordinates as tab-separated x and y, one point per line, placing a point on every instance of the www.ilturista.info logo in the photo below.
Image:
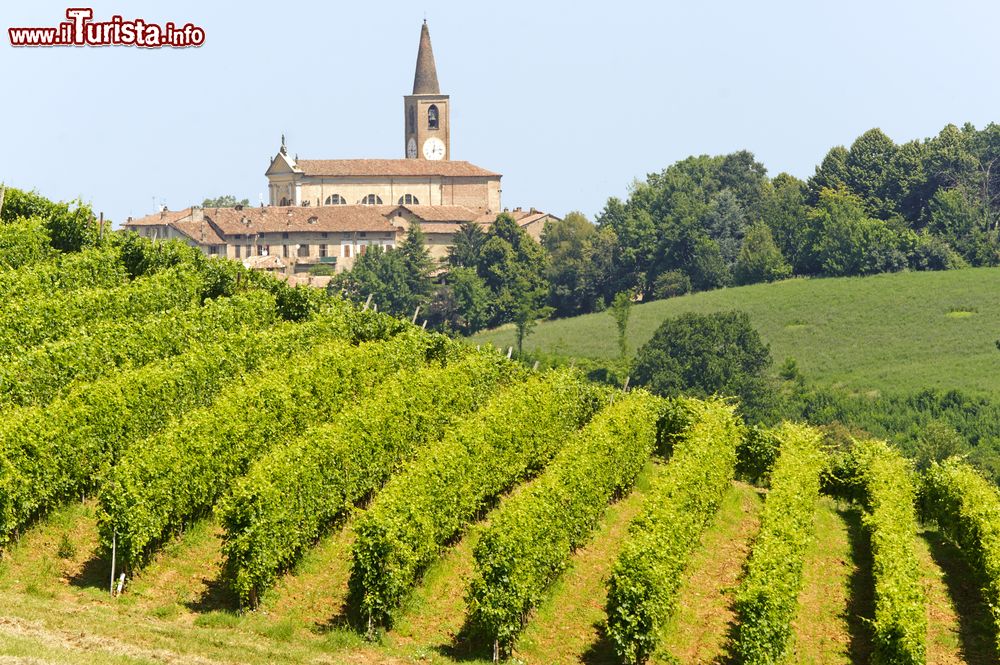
80	30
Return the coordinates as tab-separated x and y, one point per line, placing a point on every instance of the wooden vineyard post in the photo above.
415	312
114	555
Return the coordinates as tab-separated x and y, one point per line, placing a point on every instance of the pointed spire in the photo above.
425	80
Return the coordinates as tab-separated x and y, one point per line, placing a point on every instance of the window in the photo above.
362	235
260	250
284	251
347	251
249	251
409	199
432	117
322	251
411	120
323	235
285	201
303	250
284	236
335	200
237	248
371	200
213	250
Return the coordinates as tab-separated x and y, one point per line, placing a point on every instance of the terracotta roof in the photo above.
425	78
445	213
201	232
522	217
392	167
342	218
431	228
159	218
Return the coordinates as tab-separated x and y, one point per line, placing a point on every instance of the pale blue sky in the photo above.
569	100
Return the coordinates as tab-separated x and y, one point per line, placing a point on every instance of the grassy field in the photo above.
891	332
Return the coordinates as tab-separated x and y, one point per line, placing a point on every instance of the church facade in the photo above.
328	211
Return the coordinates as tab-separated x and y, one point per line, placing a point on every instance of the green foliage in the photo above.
92	268
294	492
757	454
462	304
69	227
669	284
532	535
849	242
967	509
884	481
767	598
580	265
760	260
178	475
703	355
29	321
224	201
642	591
23	242
56	452
621	308
433	499
46	371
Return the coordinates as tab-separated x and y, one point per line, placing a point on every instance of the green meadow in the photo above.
888	333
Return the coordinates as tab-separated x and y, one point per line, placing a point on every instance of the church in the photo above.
329	211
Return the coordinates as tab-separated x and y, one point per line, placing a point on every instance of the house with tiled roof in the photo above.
329	211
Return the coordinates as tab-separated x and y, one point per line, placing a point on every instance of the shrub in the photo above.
57	452
706	354
51	369
642	591
293	493
966	507
885	481
178	475
451	481
23	243
670	284
532	535
768	595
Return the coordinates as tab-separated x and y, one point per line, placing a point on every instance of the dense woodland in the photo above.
709	222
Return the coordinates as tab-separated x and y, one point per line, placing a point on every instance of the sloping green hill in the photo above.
890	332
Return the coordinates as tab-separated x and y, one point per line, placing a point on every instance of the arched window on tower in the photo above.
408	200
285	202
335	200
411	120
371	200
432	117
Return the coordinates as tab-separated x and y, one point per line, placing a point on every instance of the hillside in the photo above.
889	332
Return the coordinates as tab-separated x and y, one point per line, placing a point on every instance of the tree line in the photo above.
707	222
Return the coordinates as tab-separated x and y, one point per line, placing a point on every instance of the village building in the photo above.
330	211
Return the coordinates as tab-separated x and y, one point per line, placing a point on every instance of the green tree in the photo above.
466	245
850	243
462	304
621	309
512	265
384	276
760	260
417	259
726	225
224	201
707	354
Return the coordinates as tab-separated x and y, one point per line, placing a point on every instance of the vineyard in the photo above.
201	464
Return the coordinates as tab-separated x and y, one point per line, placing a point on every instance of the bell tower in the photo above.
426	120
